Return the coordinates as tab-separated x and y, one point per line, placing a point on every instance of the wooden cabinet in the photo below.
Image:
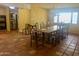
2	22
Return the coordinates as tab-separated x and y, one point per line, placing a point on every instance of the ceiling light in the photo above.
11	7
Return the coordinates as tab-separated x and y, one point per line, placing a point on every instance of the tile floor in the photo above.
16	44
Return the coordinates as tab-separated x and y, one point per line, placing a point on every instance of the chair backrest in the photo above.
63	28
33	33
66	27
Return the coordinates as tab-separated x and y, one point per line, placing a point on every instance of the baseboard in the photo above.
74	34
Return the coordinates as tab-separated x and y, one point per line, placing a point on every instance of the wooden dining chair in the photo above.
37	37
65	30
53	38
57	35
41	38
27	29
34	37
61	31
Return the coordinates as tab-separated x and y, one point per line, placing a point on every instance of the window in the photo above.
66	17
74	18
55	19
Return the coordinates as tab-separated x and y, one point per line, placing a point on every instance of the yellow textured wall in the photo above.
23	18
38	15
74	29
32	16
8	19
2	10
5	11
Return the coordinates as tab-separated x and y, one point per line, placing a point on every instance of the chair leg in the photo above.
36	43
31	43
43	42
54	41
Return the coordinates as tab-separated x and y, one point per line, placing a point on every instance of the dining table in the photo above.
48	30
44	35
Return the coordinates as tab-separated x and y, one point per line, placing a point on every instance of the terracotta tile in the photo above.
65	54
76	53
71	47
59	53
14	43
69	53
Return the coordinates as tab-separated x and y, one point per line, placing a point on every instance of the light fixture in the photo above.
11	7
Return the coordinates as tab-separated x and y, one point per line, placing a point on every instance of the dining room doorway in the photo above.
13	19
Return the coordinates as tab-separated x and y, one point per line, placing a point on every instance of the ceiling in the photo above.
57	5
42	5
47	6
17	5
